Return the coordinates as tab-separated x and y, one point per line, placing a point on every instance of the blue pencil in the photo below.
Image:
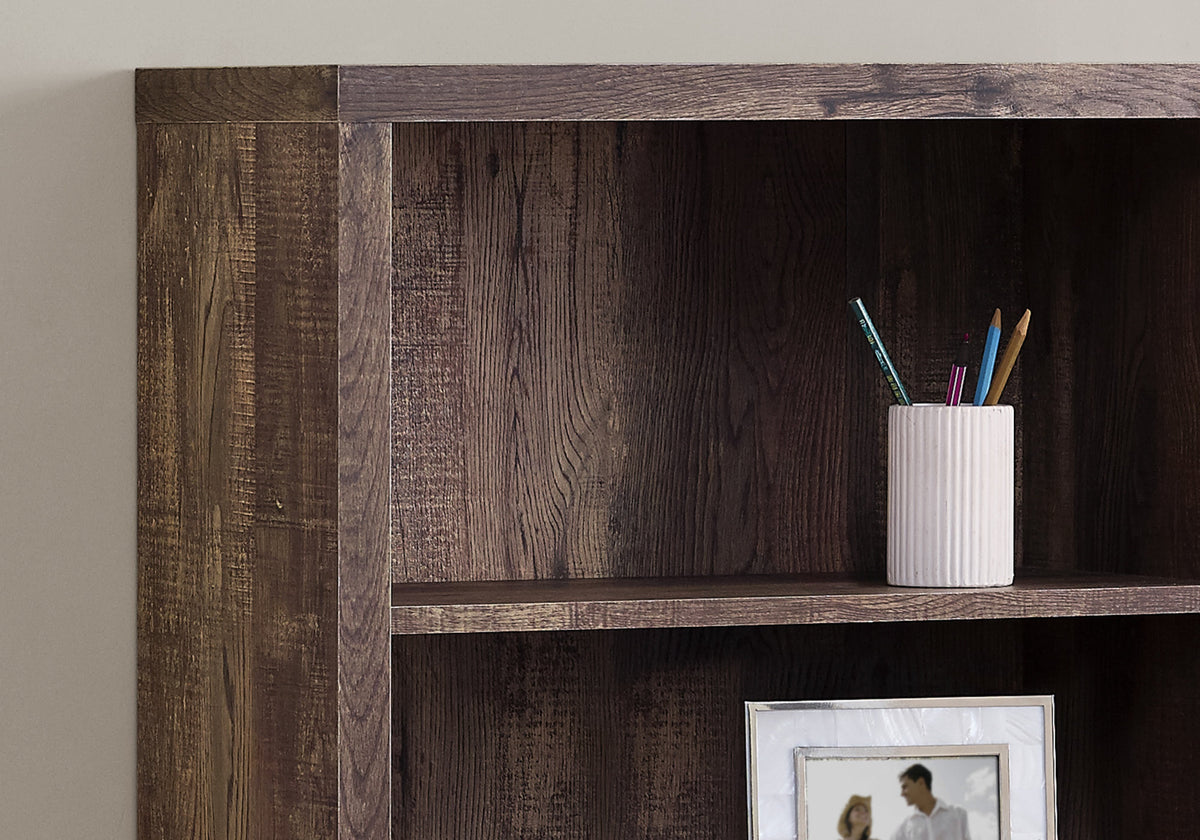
881	355
990	345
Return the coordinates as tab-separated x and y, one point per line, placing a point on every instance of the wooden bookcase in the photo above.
502	430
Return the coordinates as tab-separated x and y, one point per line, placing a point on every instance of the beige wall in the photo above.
67	299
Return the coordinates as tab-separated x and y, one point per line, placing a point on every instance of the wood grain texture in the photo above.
612	353
1125	710
671	92
364	470
640	336
1114	212
625	394
766	92
943	222
236	94
637	733
296	299
763	599
1159	726
237	485
196	447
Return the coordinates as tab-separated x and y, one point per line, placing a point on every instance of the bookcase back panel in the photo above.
613	354
1111	375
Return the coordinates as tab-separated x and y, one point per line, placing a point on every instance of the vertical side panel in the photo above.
364	432
295	628
237	490
429	530
196	482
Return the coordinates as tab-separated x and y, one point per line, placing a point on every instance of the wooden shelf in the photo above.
512	606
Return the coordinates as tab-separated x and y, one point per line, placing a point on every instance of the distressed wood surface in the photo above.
237	489
613	355
621	350
767	92
417	93
1114	212
638	733
1125	696
364	475
764	599
236	94
942	222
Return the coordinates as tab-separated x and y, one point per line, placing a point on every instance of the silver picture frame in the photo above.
1023	725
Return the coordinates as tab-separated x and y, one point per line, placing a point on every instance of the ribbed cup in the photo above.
950	495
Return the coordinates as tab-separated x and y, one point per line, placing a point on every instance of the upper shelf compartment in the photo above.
666	92
622	350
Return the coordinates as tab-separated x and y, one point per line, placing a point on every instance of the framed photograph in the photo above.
971	779
984	764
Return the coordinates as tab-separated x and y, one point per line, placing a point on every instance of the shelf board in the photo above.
597	604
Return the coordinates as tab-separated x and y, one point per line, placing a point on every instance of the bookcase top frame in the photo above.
451	93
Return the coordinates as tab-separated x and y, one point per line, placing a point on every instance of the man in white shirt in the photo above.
934	819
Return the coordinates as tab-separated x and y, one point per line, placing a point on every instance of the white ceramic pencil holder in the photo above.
950	495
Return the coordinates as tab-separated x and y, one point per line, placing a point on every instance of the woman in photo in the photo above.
855	821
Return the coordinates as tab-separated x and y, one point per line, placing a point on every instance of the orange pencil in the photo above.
1008	360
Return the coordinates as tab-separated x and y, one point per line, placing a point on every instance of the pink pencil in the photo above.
958	373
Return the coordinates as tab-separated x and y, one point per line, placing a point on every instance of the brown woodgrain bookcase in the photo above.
501	430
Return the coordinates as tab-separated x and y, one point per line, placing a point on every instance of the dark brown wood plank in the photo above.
947	232
612	353
865	441
1158	726
364	478
238	482
236	94
429	487
764	599
1125	697
196	454
1114	212
638	733
294	629
767	92
731	377
1168	219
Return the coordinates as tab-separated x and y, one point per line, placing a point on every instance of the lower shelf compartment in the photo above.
641	733
593	604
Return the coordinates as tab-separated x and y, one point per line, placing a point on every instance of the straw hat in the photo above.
854	800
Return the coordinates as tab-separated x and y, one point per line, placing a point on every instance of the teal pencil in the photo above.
881	355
